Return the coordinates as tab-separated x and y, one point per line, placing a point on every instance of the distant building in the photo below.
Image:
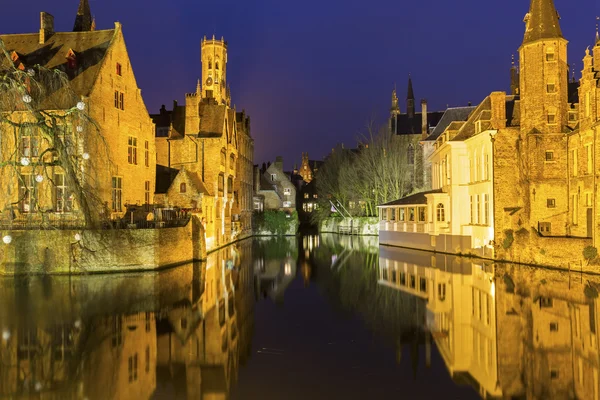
273	188
308	168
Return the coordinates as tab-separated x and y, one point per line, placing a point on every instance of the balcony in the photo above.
409	227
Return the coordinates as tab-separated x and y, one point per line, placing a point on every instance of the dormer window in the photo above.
119	70
550	56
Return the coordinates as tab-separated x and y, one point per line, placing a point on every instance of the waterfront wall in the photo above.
452	244
366	226
117	250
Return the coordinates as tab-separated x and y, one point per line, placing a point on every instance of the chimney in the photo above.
424	123
46	26
498	100
279	163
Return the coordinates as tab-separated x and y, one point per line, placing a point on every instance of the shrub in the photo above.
590	253
276	222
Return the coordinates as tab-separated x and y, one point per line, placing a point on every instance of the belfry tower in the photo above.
214	70
544	72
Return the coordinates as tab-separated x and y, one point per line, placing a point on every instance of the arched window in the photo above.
441	214
410	153
209	63
182	188
216	65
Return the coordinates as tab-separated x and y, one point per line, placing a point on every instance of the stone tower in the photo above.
514	78
544	71
214	70
83	20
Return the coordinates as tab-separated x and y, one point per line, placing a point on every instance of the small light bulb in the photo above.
78	237
86	156
5	335
38	386
39	178
7	239
81	105
25	161
31	72
79	128
78	324
27	98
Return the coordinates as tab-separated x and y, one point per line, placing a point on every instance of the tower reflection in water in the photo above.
176	334
509	331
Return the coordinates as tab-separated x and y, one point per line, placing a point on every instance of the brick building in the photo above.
208	139
115	159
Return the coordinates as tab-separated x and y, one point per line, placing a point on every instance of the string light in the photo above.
24	161
31	72
79	128
78	237
86	156
81	105
5	335
39	178
7	239
27	98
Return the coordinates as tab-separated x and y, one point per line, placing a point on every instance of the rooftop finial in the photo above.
513	60
597	33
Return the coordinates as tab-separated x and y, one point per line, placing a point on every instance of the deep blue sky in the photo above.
312	73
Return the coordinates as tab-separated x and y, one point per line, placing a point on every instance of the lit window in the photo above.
147	192
27	193
287	191
273	177
306	195
119	69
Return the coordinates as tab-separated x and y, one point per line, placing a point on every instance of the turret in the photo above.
214	69
544	71
83	21
410	99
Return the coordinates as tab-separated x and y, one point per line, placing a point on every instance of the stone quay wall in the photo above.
358	226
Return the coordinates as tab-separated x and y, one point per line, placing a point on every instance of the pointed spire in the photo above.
198	88
542	21
93	27
411	94
597	33
83	20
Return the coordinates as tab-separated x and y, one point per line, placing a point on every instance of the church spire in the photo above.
83	20
542	21
410	99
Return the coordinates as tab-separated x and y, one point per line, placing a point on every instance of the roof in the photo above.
573	92
265	184
542	21
413	126
90	49
164	178
417	198
196	181
212	119
450	115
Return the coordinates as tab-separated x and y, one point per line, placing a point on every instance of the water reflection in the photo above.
175	334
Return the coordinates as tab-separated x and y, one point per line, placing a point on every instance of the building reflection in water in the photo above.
509	331
177	334
275	265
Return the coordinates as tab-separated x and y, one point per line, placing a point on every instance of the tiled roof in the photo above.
543	21
451	115
417	198
164	178
90	49
413	126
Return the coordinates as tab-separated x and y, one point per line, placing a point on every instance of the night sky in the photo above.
312	73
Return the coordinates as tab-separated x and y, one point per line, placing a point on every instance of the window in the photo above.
403	278
273	177
119	70
63	198
545	228
393	217
551	203
550	87
182	187
209	64
549	156
478	205
410	153
133	368
441	215
402	214
287	204
546	302
117	332
472	210
146	153
423	285
117	188
574	211
230	184
551	118
553	373
217	65
574	162
132	150
221	184
550	55
27	193
306	197
486	166
588	199
147	359
315	196
29	146
287	191
411	214
121	101
572	116
486	209
589	158
553	326
223	156
147	192
422	214
441	291
116	99
413	281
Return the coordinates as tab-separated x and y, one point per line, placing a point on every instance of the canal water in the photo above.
318	317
